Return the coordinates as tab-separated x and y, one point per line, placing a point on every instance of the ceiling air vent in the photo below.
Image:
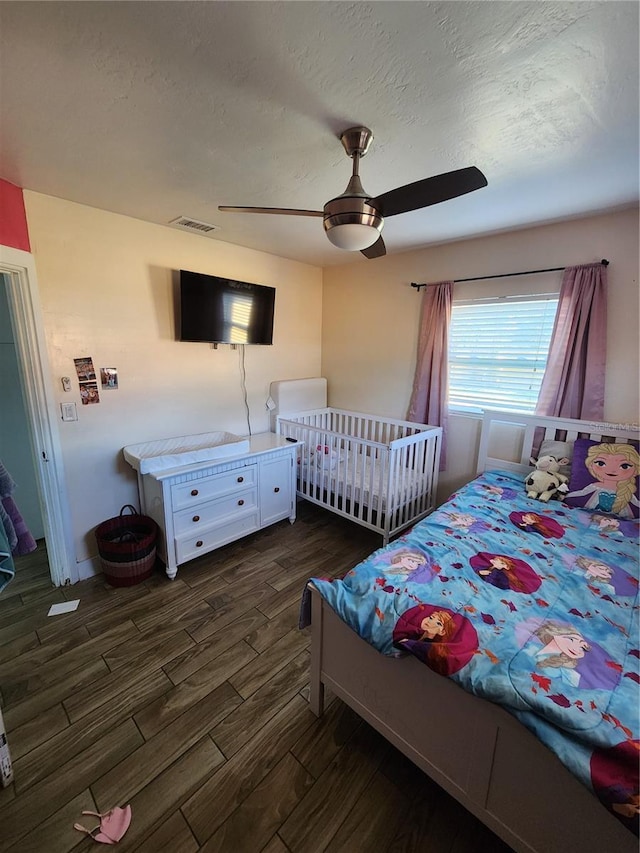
190	224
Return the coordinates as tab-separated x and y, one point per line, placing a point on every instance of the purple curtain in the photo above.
573	383
429	398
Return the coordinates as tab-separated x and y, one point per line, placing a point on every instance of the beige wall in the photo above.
371	313
106	291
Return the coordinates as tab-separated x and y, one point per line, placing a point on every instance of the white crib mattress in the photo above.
164	453
353	483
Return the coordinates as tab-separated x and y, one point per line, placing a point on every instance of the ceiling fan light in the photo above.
353	236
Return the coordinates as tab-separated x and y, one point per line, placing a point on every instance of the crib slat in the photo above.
369	466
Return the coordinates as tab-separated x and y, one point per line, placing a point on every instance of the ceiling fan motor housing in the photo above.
364	223
348	210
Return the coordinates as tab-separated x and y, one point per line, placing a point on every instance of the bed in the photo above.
534	726
379	472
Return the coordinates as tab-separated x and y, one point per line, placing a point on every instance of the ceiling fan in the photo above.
354	220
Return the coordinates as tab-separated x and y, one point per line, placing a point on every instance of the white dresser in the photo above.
202	506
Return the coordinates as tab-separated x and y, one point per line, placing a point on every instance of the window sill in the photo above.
474	416
479	413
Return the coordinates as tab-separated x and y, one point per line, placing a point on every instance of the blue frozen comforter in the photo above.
530	605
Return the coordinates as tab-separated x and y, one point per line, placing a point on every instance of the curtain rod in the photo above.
604	262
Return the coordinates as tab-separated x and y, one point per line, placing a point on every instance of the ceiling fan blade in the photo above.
376	251
429	191
285	211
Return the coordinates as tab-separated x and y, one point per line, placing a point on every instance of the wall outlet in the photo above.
69	411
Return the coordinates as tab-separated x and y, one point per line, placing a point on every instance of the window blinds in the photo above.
498	352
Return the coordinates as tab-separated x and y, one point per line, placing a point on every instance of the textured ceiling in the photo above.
162	109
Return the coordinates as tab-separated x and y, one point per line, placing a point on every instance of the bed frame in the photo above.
379	472
472	748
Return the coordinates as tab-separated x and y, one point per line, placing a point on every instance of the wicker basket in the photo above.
127	547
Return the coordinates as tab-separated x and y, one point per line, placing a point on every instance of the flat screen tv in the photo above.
225	311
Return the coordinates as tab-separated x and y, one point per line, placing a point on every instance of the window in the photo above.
237	309
498	352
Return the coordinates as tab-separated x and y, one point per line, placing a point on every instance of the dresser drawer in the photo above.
195	544
215	512
189	494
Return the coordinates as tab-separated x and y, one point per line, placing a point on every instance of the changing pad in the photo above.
164	453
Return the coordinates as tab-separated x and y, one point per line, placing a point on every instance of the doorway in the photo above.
18	281
15	447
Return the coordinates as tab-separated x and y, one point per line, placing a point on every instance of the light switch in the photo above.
69	411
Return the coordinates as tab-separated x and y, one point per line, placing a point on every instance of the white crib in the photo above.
379	472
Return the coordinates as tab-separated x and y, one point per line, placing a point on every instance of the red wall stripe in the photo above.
13	219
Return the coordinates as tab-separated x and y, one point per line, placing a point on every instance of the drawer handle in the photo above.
194	492
199	543
240	479
240	502
196	518
277	489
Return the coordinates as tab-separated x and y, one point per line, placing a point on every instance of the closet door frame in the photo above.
19	272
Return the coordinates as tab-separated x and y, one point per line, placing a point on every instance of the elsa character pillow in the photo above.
604	477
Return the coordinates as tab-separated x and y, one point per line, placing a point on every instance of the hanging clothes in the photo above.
7	568
18	536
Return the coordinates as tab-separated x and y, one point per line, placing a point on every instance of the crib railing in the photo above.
379	472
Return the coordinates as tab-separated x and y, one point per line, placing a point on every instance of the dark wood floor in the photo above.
188	699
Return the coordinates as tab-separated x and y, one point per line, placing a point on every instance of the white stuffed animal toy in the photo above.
326	457
545	482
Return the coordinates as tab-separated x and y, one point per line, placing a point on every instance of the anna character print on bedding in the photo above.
533	608
505	572
441	638
614	775
533	522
